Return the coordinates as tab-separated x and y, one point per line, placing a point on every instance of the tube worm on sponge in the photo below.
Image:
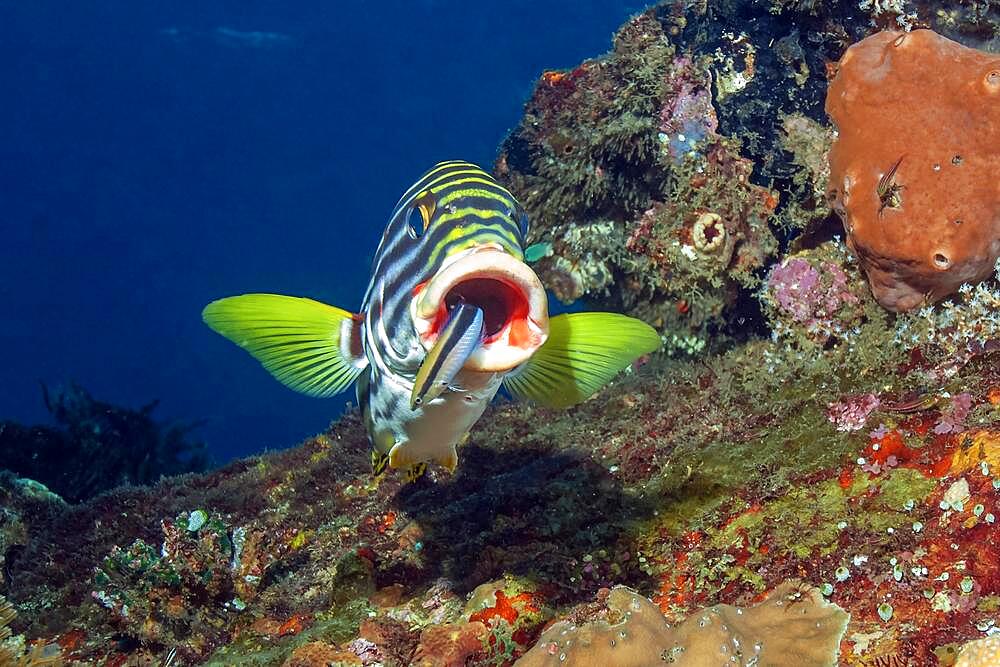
915	170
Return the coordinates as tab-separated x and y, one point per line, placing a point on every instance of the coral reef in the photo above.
807	143
22	503
983	652
100	446
652	174
697	483
201	561
959	328
321	654
975	23
850	459
921	207
689	118
449	645
794	625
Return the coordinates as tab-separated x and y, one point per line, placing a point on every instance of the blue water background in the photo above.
156	156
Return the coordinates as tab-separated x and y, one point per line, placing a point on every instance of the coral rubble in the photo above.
921	206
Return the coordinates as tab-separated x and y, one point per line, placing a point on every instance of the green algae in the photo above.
807	142
591	149
989	604
805	523
335	626
789	446
903	485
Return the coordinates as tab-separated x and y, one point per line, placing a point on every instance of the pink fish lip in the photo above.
513	300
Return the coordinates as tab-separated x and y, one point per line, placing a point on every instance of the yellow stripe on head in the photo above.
480	193
433	175
477	176
460	239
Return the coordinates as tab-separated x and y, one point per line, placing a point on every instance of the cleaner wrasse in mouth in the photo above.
451	313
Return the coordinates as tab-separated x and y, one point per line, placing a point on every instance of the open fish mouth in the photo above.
513	301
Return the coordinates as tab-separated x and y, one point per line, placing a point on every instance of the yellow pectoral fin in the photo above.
309	346
449	461
398	457
583	352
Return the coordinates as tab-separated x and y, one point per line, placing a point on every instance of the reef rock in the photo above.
23	503
914	169
794	626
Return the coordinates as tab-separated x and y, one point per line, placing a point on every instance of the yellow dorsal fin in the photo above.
583	352
309	346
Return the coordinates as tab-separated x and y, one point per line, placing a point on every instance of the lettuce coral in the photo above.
794	626
981	652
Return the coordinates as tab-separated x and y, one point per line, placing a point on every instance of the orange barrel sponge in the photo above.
915	169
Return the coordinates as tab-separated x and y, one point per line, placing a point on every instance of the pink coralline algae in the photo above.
954	415
802	292
367	651
812	295
851	413
876	467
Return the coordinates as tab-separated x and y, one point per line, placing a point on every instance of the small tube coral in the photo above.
708	233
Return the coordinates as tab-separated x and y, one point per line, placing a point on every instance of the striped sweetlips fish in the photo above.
451	313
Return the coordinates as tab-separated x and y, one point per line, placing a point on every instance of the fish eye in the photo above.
415	223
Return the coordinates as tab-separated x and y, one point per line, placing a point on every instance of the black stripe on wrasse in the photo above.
461	335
